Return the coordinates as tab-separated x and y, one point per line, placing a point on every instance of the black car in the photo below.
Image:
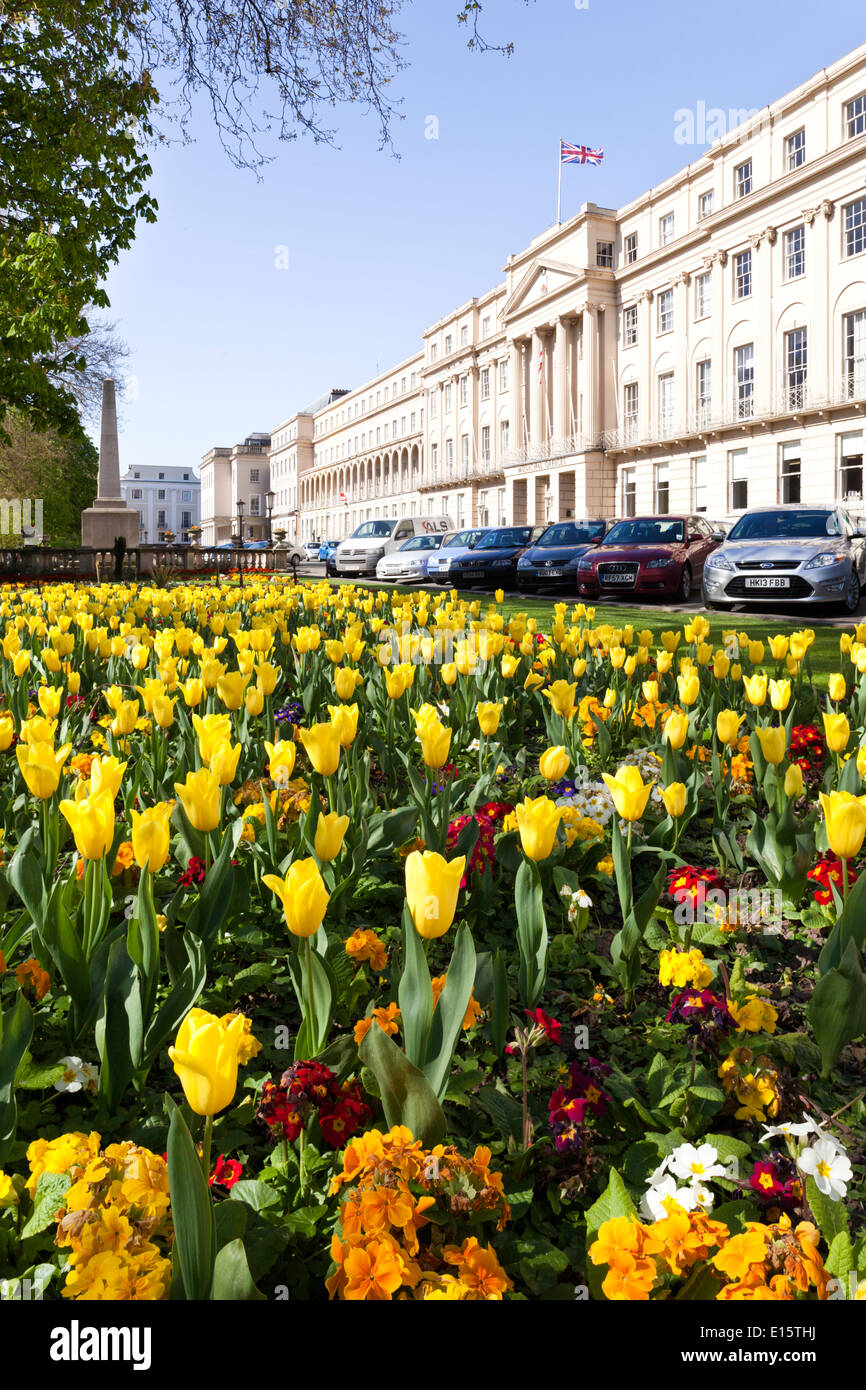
551	563
493	562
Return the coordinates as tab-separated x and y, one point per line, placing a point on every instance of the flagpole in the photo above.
559	189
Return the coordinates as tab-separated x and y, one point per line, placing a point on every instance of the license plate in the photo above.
618	579
775	583
549	574
473	574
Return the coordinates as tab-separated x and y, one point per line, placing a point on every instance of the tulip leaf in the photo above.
16	1030
830	1216
407	1097
26	876
181	997
191	1210
450	1011
850	925
415	994
232	1280
313	1032
531	933
119	1027
837	1009
501	1011
64	945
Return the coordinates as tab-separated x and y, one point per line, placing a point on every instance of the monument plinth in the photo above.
109	517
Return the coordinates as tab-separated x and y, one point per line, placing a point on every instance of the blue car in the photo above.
327	551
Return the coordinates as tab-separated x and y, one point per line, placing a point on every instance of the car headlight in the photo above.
827	557
499	564
661	563
718	562
524	563
585	566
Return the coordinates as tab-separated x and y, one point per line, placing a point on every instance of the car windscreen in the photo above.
784	526
572	533
422	543
462	539
647	531
508	536
376	529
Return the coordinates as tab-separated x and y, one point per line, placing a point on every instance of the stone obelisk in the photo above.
109	517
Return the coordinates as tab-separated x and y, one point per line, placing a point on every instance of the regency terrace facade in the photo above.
702	348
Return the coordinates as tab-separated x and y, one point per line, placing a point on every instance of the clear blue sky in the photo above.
224	343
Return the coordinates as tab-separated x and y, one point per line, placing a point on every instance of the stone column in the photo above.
537	412
560	382
590	366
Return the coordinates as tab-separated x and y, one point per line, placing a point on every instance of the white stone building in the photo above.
230	476
166	497
701	349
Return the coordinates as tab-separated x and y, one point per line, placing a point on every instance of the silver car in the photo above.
454	544
410	561
791	554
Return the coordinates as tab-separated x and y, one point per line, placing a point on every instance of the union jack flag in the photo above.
579	154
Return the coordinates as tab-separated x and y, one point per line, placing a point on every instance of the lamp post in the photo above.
270	499
240	512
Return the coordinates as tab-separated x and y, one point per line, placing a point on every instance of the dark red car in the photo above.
647	555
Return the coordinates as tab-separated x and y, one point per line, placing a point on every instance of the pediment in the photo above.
542	281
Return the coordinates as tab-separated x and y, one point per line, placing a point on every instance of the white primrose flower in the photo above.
790	1131
653	1201
829	1165
77	1075
696	1164
704	1198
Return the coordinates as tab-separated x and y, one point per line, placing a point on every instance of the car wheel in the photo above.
851	601
684	589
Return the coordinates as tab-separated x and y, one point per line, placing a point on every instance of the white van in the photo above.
361	552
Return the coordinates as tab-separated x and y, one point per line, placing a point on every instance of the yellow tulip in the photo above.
676	729
756	653
163	711
49	697
449	673
488	717
329	836
151	836
281	759
772	741
41	767
125	718
73	682
149	692
794	781
395	684
21	663
92	822
193	693
435	740
845	816
432	886
7	731
212	730
836	685
106	774
664	662
861	760
230	689
756	689
538	821
322	743
721	665
345	720
630	793
38	730
650	691
266	677
689	687
205	1058
670	641
780	694
837	732
728	726
303	895
778	647
254	700
674	798
224	762
508	665
561	696
200	796
344	682
554	764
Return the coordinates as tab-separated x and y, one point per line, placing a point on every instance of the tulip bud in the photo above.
554	764
837	687
772	741
329	836
674	798
629	791
837	732
794	781
432	886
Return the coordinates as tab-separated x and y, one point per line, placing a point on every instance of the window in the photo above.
703	295
449	344
699	483
483	510
604	254
504	374
855	116
136	493
464	451
796	364
504	436
460	510
738	474
485	444
630	410
161	494
795	150
795	253
448	396
744	367
743	275
703	392
136	475
790	473
851	467
663	488
743	179
629	492
485	326
631	248
666	311
255	505
629	326
854	348
449	457
412	422
160	518
854	226
485	383
464	335
434	462
666	229
434	405
434	352
666	404
161	476
705	203
254	475
464	390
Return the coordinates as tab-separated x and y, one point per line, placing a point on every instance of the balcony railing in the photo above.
792	397
548	450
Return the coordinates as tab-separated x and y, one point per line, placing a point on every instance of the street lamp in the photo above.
240	512
270	499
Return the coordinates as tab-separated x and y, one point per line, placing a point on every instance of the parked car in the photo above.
362	551
327	552
410	561
551	563
797	553
455	543
311	550
493	561
649	555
